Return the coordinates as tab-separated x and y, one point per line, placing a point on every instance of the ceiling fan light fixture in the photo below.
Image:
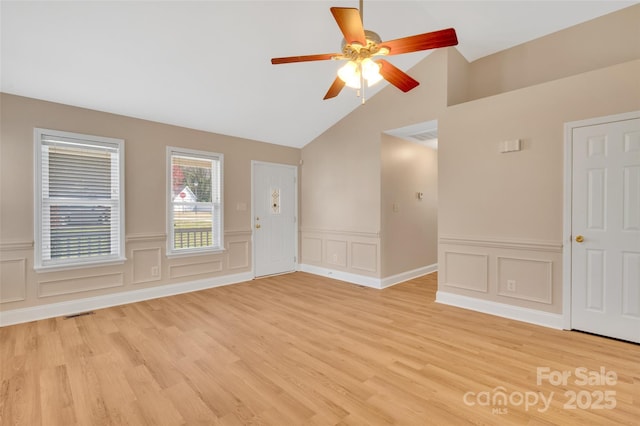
371	72
350	74
360	45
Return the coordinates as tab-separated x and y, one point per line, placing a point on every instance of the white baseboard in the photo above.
363	280
409	275
71	307
341	275
532	316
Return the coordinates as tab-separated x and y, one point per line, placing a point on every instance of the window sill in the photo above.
171	255
70	266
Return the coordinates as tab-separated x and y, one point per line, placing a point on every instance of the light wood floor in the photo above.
304	350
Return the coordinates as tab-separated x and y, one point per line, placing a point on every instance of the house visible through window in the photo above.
79	218
195	201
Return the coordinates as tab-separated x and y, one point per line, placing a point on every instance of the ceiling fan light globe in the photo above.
350	74
370	69
373	80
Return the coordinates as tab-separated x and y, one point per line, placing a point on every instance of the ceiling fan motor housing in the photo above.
357	52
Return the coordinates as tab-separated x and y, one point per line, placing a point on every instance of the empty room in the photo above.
319	212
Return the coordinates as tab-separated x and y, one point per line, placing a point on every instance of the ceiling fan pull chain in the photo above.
362	80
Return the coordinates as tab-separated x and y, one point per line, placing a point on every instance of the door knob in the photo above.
257	225
579	239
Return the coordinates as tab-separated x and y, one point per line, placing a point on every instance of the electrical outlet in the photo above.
335	258
155	271
511	285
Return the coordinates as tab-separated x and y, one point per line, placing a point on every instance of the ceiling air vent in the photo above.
425	136
425	133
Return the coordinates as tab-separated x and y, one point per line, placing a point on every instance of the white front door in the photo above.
274	218
605	229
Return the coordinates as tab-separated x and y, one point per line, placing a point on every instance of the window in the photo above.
79	199
194	201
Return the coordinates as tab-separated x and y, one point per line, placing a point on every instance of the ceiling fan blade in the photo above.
335	89
396	76
304	58
350	24
432	40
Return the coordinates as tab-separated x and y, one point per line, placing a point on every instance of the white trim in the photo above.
532	316
83	265
532	245
171	151
71	307
342	276
408	275
195	252
144	238
296	189
366	281
340	232
566	202
16	245
237	232
111	145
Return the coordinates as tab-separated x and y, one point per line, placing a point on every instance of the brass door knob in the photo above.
579	239
257	225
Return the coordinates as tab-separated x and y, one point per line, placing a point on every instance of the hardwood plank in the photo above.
300	349
55	397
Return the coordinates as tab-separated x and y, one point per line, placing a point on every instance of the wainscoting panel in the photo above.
336	254
311	250
524	273
147	265
364	256
27	294
527	279
79	284
13	280
237	254
466	270
206	266
356	253
238	250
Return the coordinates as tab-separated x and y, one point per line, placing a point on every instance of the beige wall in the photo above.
341	174
145	175
500	215
458	78
608	40
409	224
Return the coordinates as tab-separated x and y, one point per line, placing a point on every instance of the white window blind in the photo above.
195	218
79	199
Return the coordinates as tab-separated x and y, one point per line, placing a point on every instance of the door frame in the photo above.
296	223
567	202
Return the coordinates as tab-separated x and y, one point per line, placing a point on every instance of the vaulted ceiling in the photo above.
206	65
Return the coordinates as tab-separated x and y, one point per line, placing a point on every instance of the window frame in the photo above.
200	155
117	256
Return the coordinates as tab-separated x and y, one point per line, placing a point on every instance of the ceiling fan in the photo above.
359	46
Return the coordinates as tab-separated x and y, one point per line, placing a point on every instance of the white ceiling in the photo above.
206	64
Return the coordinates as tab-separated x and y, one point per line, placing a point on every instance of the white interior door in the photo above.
274	218
605	229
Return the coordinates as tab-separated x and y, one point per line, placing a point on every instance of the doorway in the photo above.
602	226
274	216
